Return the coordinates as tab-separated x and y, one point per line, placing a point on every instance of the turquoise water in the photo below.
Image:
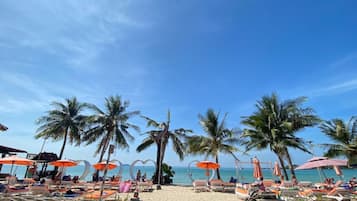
181	176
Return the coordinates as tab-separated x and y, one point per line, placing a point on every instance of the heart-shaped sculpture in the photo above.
86	169
143	162
189	172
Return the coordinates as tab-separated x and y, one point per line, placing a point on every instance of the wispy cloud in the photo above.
30	94
72	31
350	59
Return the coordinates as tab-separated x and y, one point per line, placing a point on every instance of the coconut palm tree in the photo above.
345	137
218	139
110	126
274	124
160	136
64	122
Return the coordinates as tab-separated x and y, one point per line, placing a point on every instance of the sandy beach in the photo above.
182	193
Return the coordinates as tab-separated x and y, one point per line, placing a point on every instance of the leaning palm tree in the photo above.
274	124
345	137
218	139
160	136
110	126
64	122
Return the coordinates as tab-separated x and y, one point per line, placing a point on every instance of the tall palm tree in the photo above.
345	137
110	126
161	136
64	122
218	139
274	124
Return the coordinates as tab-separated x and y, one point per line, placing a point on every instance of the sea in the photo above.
185	175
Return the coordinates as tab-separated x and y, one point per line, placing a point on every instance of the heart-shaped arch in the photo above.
143	162
189	172
86	169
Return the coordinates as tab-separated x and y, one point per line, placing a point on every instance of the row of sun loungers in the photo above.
213	185
301	191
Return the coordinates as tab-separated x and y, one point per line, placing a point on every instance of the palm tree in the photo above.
274	125
218	139
345	137
110	126
161	136
64	122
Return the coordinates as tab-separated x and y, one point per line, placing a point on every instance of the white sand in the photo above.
180	193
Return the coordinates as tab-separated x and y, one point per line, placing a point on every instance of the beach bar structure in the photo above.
4	150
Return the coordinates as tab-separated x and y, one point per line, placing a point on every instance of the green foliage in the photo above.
274	124
345	137
110	126
218	138
160	136
63	122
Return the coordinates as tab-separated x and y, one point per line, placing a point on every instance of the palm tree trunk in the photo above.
217	170
61	152
157	162
291	166
283	166
104	148
162	155
64	144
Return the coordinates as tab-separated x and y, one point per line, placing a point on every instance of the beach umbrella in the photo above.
277	171
15	160
102	165
318	162
64	163
207	165
257	171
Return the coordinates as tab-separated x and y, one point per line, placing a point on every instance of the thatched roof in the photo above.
7	150
45	157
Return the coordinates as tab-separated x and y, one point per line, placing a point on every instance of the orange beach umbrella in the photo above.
257	173
64	163
207	165
15	160
277	171
101	166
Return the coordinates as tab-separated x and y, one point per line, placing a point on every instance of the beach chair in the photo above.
40	190
229	187
145	186
216	185
200	185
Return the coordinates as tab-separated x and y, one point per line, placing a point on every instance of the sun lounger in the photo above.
216	185
145	186
200	185
96	194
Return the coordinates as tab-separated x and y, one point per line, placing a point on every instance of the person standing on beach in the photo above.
138	175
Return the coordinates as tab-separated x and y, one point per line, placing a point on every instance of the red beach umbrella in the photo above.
102	165
277	171
257	172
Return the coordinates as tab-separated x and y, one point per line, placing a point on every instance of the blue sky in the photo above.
186	56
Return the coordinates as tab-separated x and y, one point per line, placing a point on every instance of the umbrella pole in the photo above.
12	165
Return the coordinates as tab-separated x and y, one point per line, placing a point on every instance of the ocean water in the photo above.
182	173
